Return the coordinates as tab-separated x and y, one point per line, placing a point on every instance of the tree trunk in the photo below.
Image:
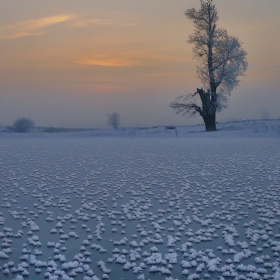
210	122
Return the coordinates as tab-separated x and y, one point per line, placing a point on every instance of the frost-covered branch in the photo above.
222	60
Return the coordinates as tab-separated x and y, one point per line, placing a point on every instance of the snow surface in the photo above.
234	129
77	206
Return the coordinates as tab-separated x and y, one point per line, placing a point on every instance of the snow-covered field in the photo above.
234	129
83	206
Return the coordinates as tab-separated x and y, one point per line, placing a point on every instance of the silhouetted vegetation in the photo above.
60	129
114	120
23	125
222	60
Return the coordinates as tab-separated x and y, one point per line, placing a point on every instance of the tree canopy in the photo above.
221	61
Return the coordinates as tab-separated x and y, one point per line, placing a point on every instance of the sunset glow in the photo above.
31	27
108	62
127	57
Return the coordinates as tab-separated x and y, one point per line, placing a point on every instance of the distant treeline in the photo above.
61	129
9	129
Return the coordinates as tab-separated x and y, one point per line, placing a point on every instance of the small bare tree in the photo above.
221	61
114	120
23	125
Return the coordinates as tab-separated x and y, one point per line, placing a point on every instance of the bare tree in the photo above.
114	120
23	125
221	61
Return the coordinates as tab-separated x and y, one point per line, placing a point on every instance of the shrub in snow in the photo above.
23	125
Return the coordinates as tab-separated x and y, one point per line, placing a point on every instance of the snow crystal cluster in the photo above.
116	208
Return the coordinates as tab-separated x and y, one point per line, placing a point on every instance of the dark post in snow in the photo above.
221	61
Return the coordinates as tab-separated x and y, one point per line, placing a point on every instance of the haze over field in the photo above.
69	63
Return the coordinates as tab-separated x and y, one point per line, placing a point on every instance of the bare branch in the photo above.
222	61
222	58
186	105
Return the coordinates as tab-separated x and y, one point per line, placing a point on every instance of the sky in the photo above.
69	63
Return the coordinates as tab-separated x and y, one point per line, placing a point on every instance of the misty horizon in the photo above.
70	65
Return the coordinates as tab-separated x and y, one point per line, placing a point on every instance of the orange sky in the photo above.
69	63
